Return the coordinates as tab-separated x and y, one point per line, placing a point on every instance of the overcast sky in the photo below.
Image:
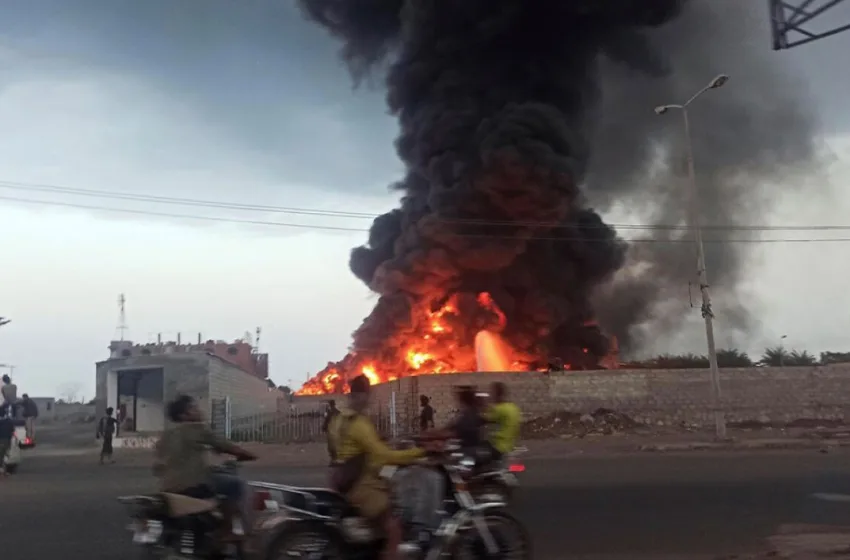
241	102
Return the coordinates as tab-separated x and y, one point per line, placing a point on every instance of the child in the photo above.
7	430
106	428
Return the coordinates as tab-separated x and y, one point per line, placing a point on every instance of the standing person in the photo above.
7	430
10	394
106	428
330	414
30	412
426	416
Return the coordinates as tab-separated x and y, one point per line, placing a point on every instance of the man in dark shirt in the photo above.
468	423
7	430
30	413
426	417
106	429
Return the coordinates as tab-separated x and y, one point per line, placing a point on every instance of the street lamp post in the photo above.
782	350
694	219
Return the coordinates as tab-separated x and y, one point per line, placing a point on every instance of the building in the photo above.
46	408
138	379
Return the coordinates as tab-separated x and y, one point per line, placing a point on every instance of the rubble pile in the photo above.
566	424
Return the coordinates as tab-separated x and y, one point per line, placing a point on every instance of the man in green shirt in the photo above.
507	419
353	436
180	461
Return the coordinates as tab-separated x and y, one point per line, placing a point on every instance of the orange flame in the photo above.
442	341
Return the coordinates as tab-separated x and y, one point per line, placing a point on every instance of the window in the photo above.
126	353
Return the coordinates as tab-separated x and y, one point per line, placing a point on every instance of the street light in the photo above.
707	313
782	350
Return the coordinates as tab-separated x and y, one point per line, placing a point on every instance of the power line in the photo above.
176	216
180	201
193	202
462	235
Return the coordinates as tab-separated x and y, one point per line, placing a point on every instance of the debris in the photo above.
568	425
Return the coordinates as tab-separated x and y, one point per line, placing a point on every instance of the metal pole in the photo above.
707	313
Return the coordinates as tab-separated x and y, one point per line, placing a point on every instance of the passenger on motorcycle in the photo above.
466	425
507	419
360	456
181	466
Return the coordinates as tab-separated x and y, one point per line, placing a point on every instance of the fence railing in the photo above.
293	425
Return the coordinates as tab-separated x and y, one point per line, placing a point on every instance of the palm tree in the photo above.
796	358
776	356
733	358
679	361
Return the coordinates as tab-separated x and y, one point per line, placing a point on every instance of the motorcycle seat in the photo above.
182	506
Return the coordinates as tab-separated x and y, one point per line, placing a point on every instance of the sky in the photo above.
241	102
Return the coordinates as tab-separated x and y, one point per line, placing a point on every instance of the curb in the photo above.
820	444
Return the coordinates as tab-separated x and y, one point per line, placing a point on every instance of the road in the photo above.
623	507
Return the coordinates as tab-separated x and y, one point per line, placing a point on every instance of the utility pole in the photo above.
694	219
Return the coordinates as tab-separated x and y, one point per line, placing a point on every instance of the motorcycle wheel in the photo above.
305	541
511	536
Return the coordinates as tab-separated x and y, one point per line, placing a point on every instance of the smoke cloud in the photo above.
518	118
751	140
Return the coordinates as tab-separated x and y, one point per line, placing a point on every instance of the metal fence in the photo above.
292	424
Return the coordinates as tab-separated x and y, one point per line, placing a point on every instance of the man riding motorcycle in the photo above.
360	455
507	418
181	466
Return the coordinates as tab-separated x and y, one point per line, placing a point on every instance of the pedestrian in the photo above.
30	412
330	414
9	391
106	428
426	416
7	430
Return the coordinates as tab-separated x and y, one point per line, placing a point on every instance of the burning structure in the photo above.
497	102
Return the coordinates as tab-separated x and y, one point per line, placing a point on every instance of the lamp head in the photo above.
661	109
719	81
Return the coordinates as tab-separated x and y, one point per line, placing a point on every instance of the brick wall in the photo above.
248	394
653	396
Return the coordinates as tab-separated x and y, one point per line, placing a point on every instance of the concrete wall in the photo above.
248	394
46	408
653	396
182	374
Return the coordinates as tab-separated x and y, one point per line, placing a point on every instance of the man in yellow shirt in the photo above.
354	436
507	419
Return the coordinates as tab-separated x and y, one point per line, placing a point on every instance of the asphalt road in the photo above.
628	507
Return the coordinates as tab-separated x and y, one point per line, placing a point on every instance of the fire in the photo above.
463	334
443	346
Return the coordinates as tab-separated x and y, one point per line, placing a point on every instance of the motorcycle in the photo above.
174	526
499	481
319	524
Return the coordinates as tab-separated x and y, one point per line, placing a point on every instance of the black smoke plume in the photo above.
509	134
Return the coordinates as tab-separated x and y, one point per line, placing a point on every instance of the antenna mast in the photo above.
122	317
